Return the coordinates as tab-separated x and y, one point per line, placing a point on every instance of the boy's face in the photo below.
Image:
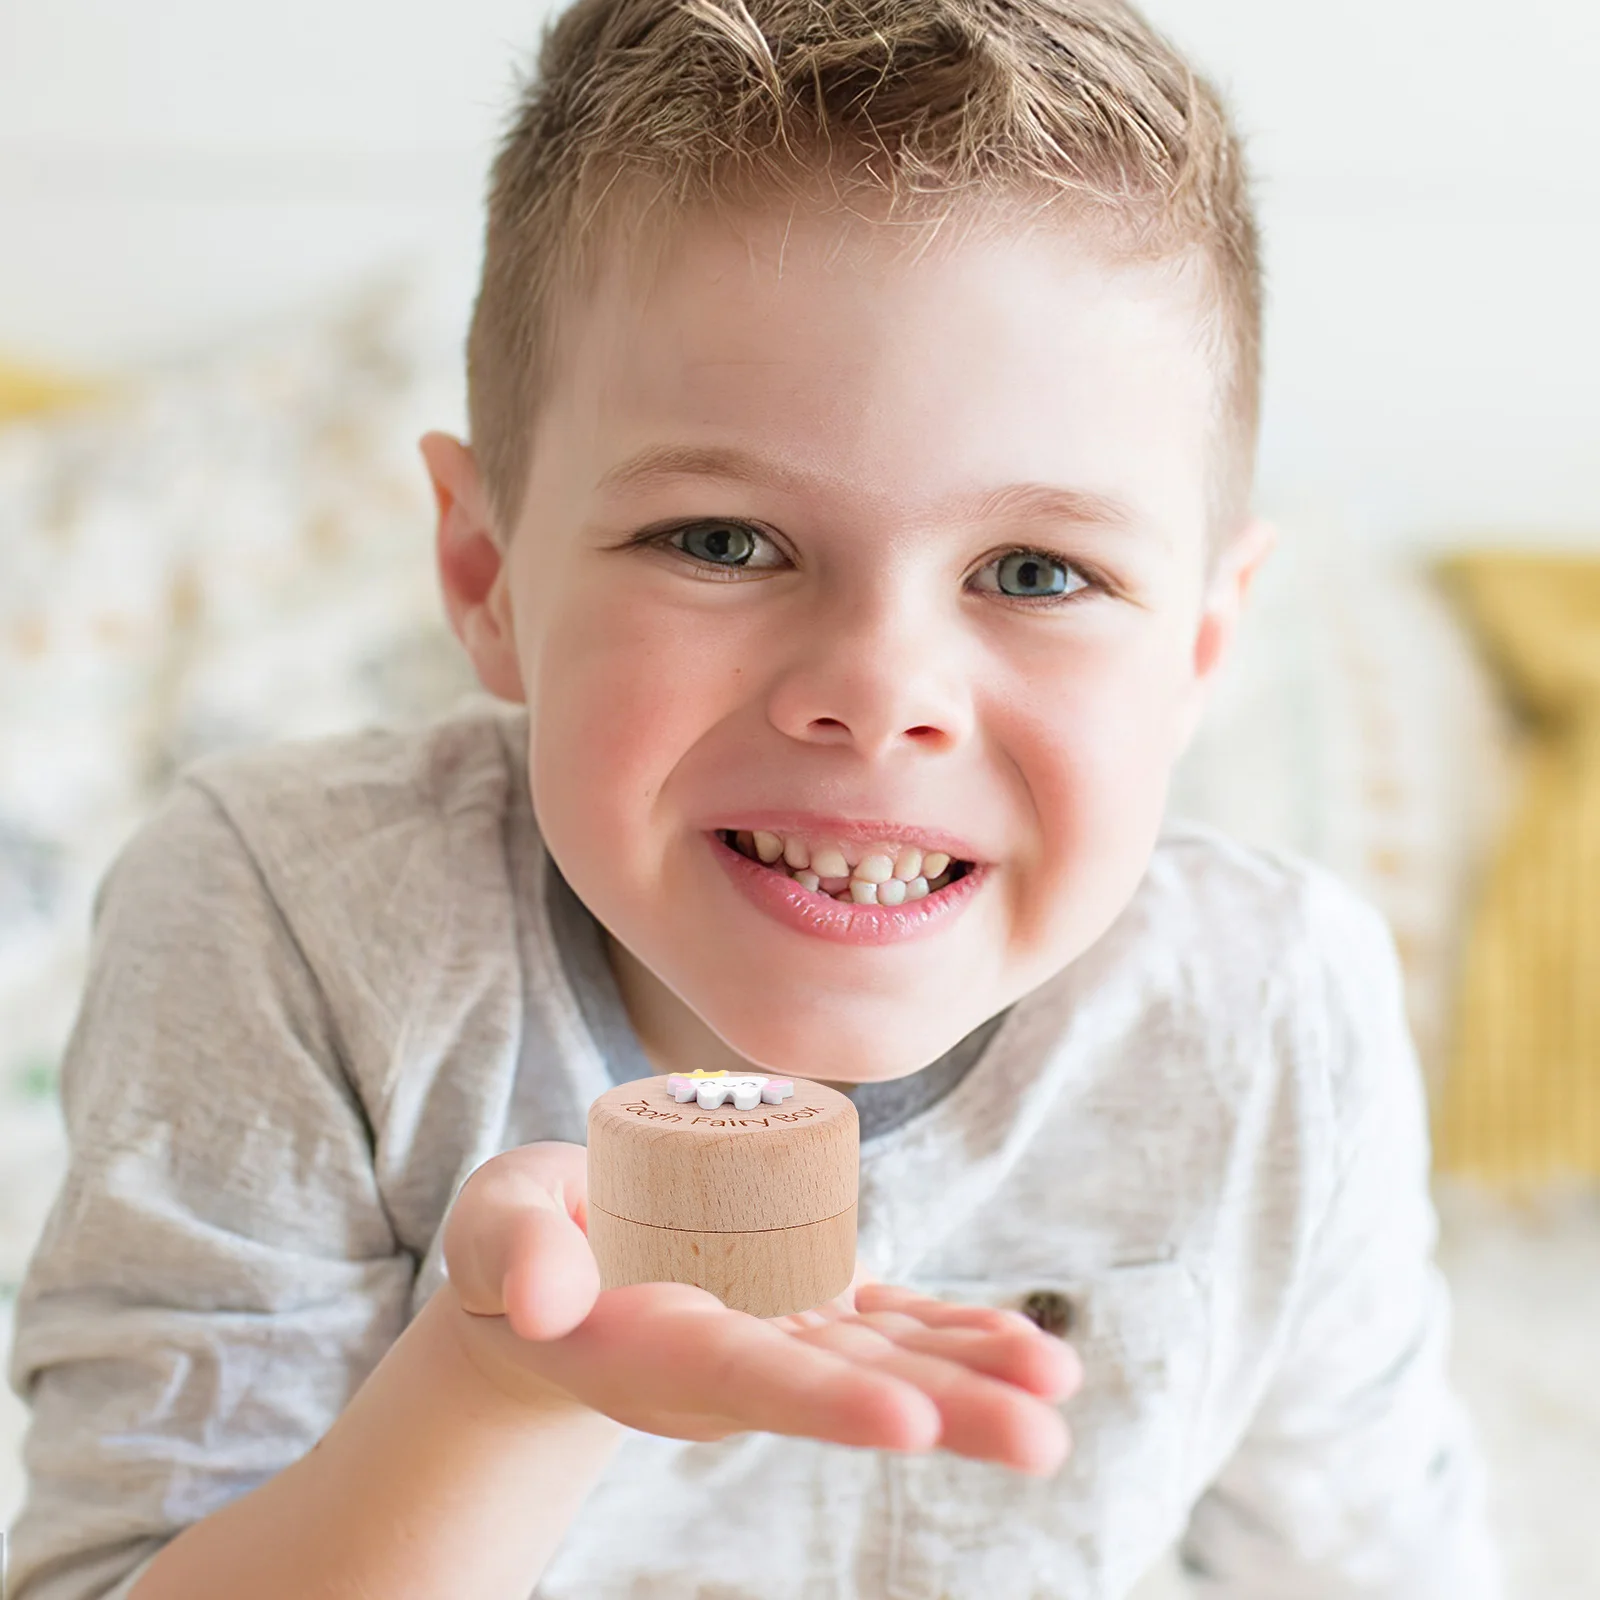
845	426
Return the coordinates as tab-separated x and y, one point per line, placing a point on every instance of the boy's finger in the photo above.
760	1378
1045	1367
937	1313
982	1417
513	1245
551	1278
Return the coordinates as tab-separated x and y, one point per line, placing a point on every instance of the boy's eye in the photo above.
722	544
1032	575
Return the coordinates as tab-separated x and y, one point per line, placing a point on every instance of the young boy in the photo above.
863	400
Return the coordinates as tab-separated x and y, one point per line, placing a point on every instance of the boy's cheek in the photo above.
622	735
1094	763
604	745
618	690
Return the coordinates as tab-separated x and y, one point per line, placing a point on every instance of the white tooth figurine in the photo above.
710	1089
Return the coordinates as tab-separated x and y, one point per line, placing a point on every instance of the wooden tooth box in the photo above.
754	1200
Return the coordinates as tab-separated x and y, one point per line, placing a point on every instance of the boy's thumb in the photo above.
514	1244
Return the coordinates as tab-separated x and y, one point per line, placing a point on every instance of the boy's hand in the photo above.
879	1366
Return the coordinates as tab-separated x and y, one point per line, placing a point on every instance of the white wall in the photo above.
1429	180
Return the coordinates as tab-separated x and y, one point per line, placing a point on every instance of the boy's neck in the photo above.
670	1034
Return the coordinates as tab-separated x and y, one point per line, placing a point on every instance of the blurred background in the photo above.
237	252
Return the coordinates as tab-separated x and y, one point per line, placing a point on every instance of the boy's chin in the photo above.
843	1051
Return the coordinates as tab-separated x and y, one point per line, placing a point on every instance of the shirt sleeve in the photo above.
1359	1474
217	1274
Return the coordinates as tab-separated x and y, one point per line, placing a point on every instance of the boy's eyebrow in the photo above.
1040	501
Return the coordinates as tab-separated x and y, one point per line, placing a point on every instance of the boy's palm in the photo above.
879	1366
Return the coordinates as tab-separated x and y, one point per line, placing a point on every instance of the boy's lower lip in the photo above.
811	912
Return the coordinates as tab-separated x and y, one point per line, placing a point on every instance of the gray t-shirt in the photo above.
330	979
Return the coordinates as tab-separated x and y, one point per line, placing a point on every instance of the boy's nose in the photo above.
879	675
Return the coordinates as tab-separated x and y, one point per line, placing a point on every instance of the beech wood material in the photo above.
757	1206
769	1272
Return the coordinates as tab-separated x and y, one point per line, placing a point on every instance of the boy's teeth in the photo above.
881	874
876	868
829	862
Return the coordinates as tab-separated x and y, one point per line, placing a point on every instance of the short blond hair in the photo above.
930	107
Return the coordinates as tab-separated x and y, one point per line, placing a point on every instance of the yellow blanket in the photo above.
1521	1101
24	390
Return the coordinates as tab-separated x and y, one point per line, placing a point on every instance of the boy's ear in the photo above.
1226	590
473	575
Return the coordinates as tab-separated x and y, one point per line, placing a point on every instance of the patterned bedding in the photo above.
231	550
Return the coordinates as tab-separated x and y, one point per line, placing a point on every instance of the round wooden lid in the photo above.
791	1159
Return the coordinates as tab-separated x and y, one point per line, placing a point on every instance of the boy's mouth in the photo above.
884	874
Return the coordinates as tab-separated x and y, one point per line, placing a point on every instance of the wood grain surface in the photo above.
654	1161
771	1272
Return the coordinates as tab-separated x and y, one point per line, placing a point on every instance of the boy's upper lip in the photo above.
815	827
